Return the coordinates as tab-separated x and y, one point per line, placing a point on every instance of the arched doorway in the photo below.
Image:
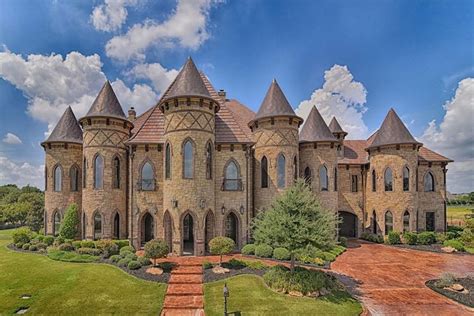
231	230
167	227
188	235
116	226
148	228
348	225
209	229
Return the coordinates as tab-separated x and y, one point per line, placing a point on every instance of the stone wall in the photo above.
348	201
432	201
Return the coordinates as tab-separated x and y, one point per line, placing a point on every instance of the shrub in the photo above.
343	241
248	249
456	244
327	256
89	251
221	246
337	250
426	238
40	237
410	238
318	261
48	240
108	247
372	237
144	261
22	235
264	251
156	248
87	244
76	244
207	265
26	246
70	223
451	235
58	241
19	245
446	279
33	248
131	256
134	265
255	265
126	249
66	247
440	238
115	258
123	262
123	254
122	243
41	245
167	266
236	264
393	238
281	254
70	256
467	236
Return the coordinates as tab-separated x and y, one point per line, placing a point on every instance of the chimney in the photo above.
132	115
221	93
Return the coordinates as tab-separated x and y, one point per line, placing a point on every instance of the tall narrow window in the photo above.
354	184
232	181
295	168
147	177
430	221
429	182
406	179
168	162
323	178
116	173
56	223
388	180
406	221
98	172
58	178
264	172
45	179
374	181
335	178
188	160
97	226
209	161
84	172
74	177
307	176
388	222
281	171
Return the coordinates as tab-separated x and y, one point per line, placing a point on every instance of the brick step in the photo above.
184	302
182	312
187	270
185	279
184	289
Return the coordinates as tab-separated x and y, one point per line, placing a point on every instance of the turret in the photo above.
340	134
63	157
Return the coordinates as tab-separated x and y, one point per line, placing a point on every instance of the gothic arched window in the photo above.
232	180
388	178
406	221
264	172
97	226
374	181
168	161
98	172
307	176
323	178
209	161
406	179
429	182
147	177
188	160
116	173
74	177
388	222
295	168
56	223
281	171
58	178
84	172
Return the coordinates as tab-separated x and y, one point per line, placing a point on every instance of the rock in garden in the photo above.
457	287
295	293
314	294
324	291
220	270
448	249
154	271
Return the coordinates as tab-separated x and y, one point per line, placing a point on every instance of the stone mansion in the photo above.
198	165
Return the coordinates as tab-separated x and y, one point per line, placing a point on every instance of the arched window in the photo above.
323	178
188	159
307	176
84	172
74	177
335	178
168	162
388	179
58	178
281	171
147	177
116	173
429	182
98	172
388	222
232	180
264	172
406	221
46	179
295	168
406	179
209	161
374	181
97	226
57	223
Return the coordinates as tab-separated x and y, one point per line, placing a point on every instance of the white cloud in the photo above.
20	173
454	137
12	139
342	97
186	27
111	15
160	77
142	97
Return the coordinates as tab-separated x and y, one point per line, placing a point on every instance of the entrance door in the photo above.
231	227
148	228
430	221
188	235
347	228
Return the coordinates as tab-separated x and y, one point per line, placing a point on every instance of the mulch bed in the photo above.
465	299
431	248
326	266
210	276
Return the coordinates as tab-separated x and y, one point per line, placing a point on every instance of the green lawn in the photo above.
71	288
250	296
456	213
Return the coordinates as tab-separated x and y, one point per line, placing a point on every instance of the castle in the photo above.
198	165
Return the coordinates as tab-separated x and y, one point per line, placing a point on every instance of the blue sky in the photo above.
410	55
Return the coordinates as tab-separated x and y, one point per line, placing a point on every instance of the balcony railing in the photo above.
232	185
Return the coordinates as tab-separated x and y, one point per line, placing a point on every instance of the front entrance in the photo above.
231	228
148	228
347	227
188	235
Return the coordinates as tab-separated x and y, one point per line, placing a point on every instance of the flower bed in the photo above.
448	289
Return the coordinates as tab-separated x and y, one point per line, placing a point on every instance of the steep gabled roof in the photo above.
188	82
106	104
275	103
335	127
315	129
67	129
392	132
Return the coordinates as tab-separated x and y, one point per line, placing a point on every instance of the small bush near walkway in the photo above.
393	238
248	249
281	254
264	251
154	249
410	238
426	238
221	246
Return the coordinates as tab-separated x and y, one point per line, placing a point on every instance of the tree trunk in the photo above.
292	264
220	261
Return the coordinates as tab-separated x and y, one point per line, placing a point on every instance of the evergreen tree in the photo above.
69	226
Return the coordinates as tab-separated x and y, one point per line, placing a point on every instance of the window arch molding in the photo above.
74	178
56	220
388	221
232	183
209	154
429	187
147	184
188	173
98	174
168	160
264	172
281	170
116	171
323	178
98	221
388	179
58	176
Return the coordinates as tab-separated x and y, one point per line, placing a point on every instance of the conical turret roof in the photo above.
315	129
106	104
392	132
188	83
335	127
275	103
67	129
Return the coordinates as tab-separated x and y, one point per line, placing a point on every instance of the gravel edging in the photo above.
465	299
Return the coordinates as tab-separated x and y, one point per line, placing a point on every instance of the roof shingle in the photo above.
106	104
66	130
315	129
275	103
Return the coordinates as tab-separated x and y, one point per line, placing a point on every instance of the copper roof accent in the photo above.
315	129
106	104
275	103
188	82
428	155
335	127
392	132
355	153
67	130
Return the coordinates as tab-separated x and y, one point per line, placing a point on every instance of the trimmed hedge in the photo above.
122	243
26	246
123	262
410	238
22	235
248	249
134	265
393	238
33	248
144	261
128	249
264	251
87	244
115	258
456	244
281	254
66	247
89	251
48	240
426	238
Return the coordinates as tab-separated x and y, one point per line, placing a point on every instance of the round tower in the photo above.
104	199
188	187
340	135
63	155
275	132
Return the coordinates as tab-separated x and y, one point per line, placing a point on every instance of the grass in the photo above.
250	296
70	256
62	288
456	213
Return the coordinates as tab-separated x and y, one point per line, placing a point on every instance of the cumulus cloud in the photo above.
159	76
454	137
340	96
186	27
141	96
111	15
12	139
20	173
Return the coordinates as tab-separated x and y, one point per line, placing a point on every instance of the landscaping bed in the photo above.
326	265
431	248
235	267
449	287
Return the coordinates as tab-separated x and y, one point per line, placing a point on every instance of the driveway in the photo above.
391	281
